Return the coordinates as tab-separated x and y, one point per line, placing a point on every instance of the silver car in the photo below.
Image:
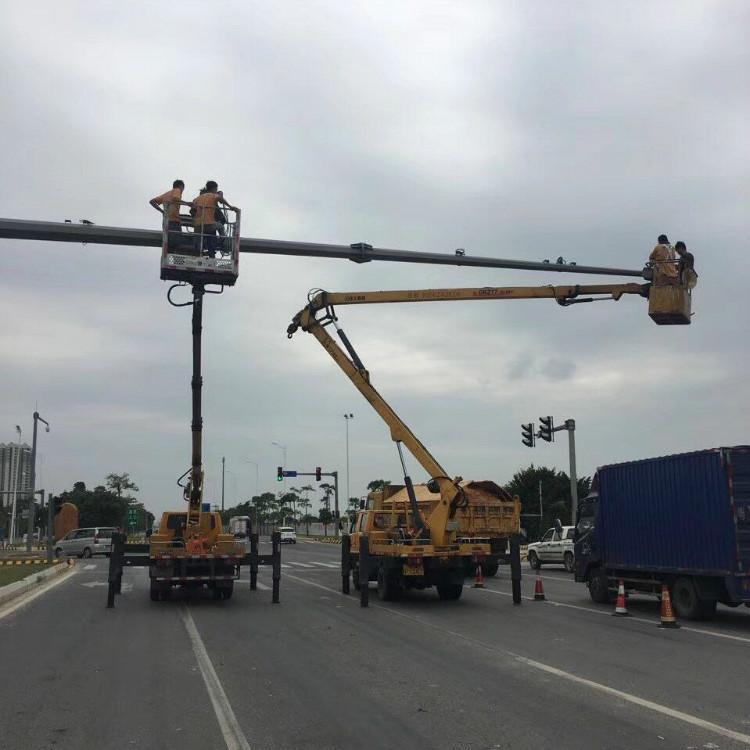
96	540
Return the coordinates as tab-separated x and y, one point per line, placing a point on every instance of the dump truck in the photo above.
491	515
681	520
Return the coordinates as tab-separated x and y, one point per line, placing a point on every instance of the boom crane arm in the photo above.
310	320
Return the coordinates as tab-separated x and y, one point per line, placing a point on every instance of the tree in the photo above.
305	505
352	506
120	482
290	499
555	496
328	490
378	484
326	517
97	507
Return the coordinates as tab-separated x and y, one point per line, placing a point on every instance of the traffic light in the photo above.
527	434
546	429
318	473
280	474
57	503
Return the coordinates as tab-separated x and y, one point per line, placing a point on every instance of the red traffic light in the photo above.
318	473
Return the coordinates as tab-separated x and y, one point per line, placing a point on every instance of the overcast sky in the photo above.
512	129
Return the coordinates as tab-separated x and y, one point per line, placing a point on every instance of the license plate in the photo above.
413	570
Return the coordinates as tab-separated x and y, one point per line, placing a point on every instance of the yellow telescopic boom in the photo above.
319	313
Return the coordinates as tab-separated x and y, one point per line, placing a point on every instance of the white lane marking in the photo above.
24	600
327	564
230	727
89	567
262	586
562	674
301	564
632	618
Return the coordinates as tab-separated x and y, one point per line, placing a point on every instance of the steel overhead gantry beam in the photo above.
359	252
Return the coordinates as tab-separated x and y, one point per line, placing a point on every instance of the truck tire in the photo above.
568	562
686	602
534	561
155	593
388	586
490	569
450	592
355	577
599	588
226	593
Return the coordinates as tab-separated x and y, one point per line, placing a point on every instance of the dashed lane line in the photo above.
89	567
636	700
230	727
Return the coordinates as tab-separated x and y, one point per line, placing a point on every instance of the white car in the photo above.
555	547
288	535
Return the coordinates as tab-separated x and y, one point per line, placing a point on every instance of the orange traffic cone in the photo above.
667	619
479	578
538	588
621	609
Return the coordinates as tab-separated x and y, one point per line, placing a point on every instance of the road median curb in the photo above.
26	585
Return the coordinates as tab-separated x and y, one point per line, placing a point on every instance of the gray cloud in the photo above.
516	130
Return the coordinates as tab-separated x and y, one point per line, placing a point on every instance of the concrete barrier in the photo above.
27	585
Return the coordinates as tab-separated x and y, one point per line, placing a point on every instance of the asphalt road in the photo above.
317	671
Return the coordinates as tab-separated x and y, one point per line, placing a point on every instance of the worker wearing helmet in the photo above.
204	219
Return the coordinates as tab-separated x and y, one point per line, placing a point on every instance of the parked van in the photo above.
85	542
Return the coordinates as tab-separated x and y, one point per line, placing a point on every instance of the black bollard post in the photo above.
115	570
276	576
120	560
346	544
515	567
364	571
253	562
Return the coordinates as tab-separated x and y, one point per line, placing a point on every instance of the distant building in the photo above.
18	461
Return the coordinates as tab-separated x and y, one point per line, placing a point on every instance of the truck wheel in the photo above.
534	561
568	562
155	593
599	588
490	569
355	577
449	592
226	593
388	588
685	599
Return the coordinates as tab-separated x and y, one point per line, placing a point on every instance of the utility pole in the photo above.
30	524
222	482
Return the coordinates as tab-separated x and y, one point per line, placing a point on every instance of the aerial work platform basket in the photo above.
201	254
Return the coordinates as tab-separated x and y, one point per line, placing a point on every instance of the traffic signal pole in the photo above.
547	432
570	426
283	473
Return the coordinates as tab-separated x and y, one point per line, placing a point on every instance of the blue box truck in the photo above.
681	520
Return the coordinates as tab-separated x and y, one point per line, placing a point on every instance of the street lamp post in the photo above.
257	471
222	482
30	524
347	417
15	487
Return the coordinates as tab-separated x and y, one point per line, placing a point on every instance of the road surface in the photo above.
317	671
